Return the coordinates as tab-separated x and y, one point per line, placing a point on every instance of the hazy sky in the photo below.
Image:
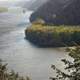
14	0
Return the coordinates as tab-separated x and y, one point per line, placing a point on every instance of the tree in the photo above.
72	67
6	75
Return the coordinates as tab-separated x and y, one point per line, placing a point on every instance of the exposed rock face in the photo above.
59	12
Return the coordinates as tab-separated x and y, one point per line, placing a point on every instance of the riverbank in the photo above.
53	36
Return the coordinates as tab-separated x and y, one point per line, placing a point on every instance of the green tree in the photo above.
72	67
6	75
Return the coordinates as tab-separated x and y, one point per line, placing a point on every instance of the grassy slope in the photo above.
46	35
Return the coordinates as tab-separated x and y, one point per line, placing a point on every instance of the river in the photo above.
20	55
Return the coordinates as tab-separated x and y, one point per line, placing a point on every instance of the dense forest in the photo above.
59	12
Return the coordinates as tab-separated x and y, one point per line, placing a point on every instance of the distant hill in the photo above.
24	4
31	5
59	12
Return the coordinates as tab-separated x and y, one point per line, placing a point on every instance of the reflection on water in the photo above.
20	54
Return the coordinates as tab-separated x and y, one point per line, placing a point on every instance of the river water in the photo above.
20	55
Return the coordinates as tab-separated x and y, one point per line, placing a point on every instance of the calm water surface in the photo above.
20	54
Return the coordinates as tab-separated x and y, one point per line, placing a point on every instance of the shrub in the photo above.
6	75
72	68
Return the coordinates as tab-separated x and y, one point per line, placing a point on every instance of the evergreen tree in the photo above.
6	75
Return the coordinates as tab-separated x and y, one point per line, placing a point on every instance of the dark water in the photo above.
20	54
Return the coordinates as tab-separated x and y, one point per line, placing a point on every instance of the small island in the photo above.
45	35
3	9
